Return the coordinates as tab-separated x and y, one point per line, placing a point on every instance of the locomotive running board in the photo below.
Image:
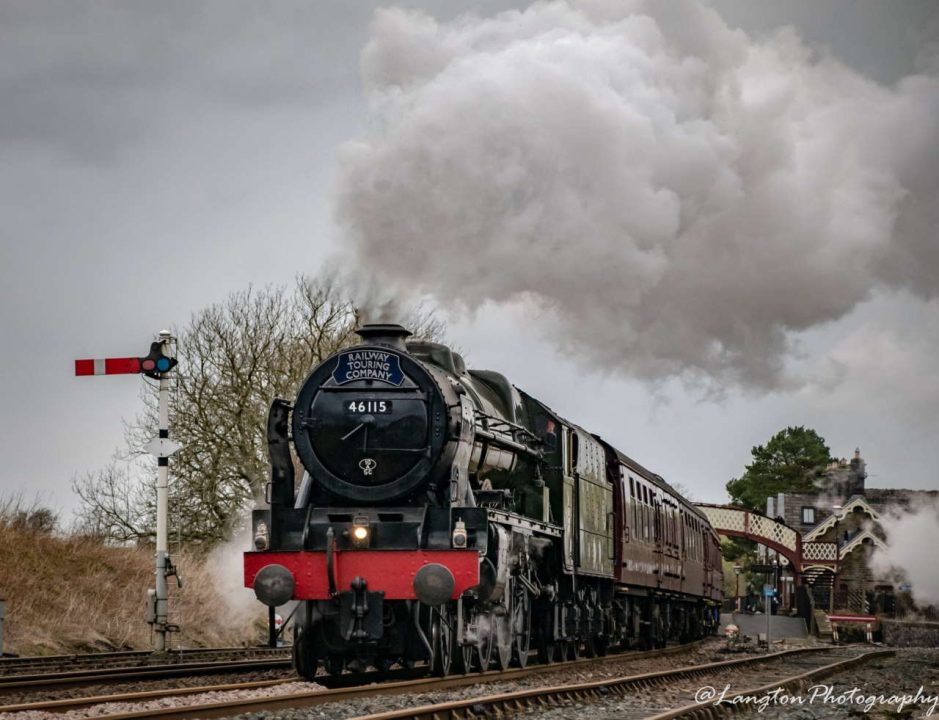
524	523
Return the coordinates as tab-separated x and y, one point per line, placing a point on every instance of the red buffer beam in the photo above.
108	366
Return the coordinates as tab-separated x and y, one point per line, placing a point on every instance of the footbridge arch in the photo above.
735	521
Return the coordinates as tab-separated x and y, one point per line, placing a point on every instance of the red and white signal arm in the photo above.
278	621
153	365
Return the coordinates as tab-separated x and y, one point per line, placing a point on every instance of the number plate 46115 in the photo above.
369	406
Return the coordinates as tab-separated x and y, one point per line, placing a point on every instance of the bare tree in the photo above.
32	518
234	359
114	503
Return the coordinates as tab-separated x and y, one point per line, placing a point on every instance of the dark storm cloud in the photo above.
90	79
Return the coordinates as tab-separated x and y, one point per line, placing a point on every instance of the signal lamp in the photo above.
360	531
156	363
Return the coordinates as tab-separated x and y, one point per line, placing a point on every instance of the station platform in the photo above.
781	626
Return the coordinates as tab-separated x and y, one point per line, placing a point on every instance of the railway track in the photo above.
616	696
783	669
10	666
80	678
365	686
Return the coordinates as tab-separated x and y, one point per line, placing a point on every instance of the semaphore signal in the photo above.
153	365
156	364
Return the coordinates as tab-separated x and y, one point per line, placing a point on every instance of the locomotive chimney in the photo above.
390	335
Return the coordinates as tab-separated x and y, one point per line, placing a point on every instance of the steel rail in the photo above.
542	697
15	666
320	697
712	710
93	700
76	678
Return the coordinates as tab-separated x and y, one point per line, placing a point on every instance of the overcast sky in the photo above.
155	157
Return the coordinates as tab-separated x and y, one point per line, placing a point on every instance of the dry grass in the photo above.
67	593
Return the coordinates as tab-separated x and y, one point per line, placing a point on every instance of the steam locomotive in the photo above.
447	517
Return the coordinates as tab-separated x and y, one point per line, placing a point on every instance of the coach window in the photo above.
667	522
645	514
634	504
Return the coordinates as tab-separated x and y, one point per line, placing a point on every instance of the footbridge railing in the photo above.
734	521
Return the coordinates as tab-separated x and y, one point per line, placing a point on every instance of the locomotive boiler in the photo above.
446	517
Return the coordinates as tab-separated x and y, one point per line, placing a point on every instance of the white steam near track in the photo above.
240	608
680	198
911	537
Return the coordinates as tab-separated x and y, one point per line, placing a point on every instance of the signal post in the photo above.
155	365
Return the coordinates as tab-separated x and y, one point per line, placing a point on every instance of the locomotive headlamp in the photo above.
262	537
459	534
360	531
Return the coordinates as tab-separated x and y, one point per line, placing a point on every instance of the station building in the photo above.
844	510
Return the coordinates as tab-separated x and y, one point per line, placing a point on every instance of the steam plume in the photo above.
908	535
240	609
678	197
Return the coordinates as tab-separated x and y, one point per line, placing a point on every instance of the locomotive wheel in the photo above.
485	641
502	621
585	602
563	650
602	639
521	624
304	657
590	646
429	620
463	654
544	642
442	640
573	626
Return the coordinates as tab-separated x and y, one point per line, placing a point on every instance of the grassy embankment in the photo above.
67	593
